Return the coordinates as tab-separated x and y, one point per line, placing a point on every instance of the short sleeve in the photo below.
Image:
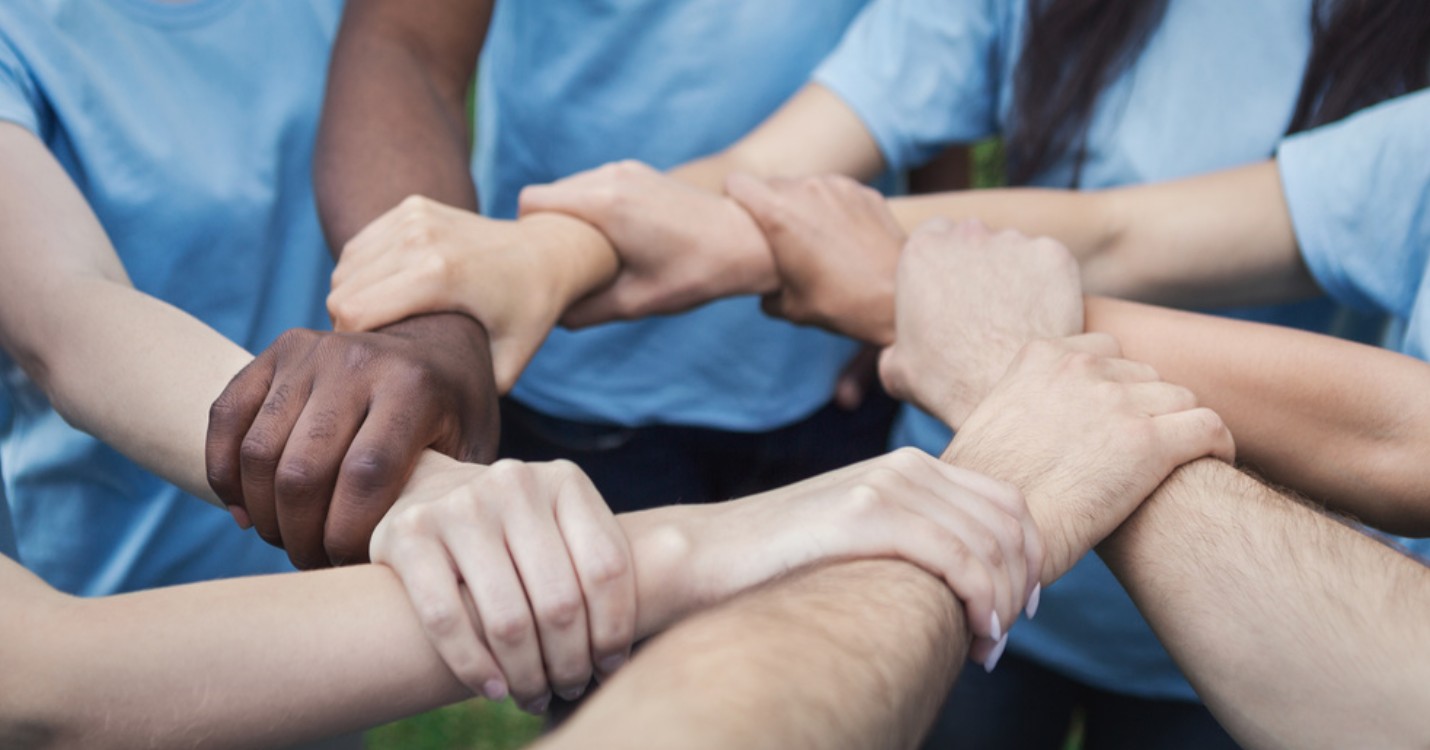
19	96
921	74
1359	195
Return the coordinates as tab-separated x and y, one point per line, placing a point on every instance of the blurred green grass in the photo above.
471	725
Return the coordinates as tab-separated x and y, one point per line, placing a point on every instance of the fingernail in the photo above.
539	705
612	663
995	655
240	516
494	690
997	629
1033	600
572	695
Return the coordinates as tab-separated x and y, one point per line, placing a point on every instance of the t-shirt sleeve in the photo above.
921	74
19	96
1359	195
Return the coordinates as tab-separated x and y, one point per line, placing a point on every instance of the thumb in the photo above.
758	199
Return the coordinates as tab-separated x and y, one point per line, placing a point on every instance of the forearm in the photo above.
339	650
856	655
137	373
1296	630
394	118
1220	239
1344	423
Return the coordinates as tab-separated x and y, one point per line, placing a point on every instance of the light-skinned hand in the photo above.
1087	437
549	571
968	300
836	247
972	532
680	246
515	277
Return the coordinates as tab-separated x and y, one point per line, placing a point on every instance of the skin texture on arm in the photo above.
681	244
1219	239
1296	630
1345	423
275	660
67	307
140	374
856	655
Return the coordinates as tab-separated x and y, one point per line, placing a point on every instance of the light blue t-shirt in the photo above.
1215	88
568	85
189	128
1359	195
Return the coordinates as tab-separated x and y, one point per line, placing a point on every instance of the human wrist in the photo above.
574	257
968	452
750	260
661	543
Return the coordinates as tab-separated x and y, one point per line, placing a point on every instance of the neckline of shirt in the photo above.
175	14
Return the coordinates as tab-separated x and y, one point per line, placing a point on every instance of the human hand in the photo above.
552	584
515	277
1087	437
968	300
316	437
972	532
680	246
836	246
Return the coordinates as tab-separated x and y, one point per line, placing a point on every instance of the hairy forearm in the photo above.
855	655
1296	630
1344	423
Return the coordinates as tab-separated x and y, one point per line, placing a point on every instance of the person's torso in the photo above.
568	86
189	130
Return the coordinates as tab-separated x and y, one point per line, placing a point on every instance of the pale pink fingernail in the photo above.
539	705
240	516
995	655
997	629
612	663
494	690
1033	600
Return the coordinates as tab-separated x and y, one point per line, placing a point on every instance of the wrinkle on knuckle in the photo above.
509	629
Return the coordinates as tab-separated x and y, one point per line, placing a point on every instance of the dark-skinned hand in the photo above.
314	440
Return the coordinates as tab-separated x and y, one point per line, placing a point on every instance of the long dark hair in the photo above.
1363	52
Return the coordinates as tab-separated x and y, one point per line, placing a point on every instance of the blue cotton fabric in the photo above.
568	86
189	129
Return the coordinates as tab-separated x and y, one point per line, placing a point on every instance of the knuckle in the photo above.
907	460
509	628
606	564
298	476
259	451
560	609
439	617
369	467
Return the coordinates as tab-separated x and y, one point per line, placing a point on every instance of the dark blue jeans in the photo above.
1024	706
645	467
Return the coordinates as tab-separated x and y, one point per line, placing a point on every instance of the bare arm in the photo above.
1344	423
128	368
1223	238
851	656
1295	629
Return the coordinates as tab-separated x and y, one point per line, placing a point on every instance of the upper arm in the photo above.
48	236
445	36
815	132
1358	193
395	118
